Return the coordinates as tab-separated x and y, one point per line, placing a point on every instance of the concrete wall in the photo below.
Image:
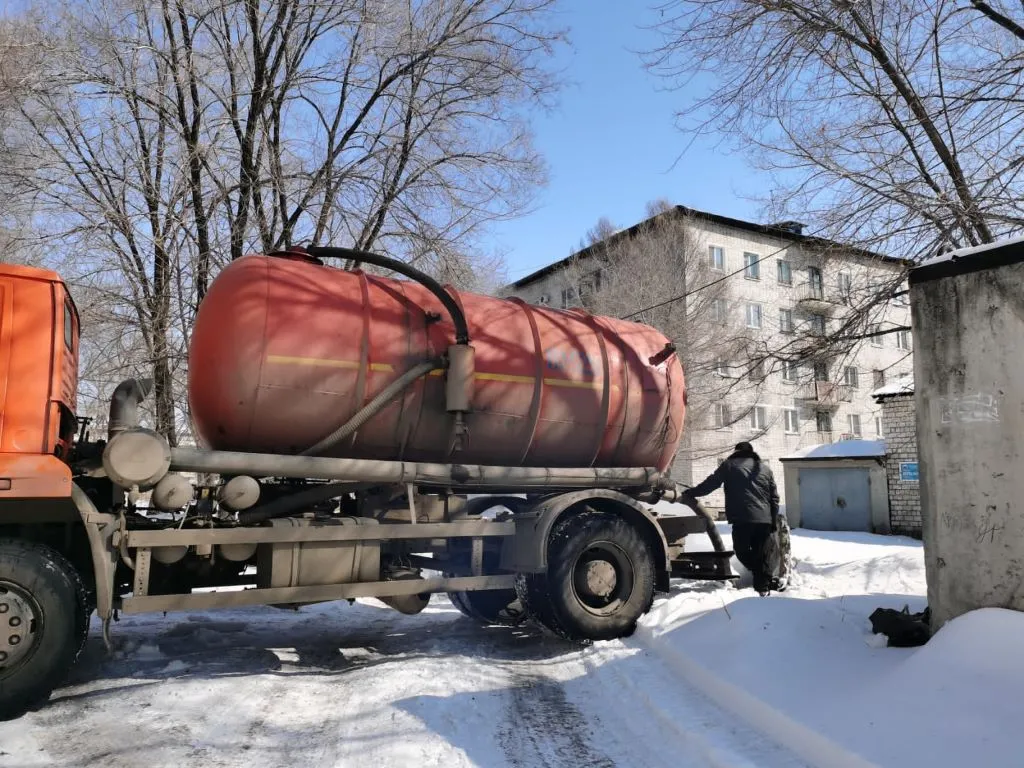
900	427
879	496
969	382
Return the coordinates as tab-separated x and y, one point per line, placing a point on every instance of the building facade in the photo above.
779	292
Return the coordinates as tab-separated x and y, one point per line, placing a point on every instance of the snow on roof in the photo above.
963	253
844	449
903	386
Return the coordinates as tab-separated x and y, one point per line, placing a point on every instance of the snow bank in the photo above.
805	668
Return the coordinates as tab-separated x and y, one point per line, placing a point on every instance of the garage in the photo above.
838	487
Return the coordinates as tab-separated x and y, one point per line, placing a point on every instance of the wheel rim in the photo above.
20	627
602	578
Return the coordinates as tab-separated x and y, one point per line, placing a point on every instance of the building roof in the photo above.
974	259
903	386
844	449
788	230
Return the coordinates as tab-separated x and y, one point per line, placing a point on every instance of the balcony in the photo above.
824	394
813	297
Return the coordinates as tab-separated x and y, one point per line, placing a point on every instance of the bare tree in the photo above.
896	126
893	127
167	138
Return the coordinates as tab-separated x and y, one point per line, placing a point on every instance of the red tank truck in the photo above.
370	437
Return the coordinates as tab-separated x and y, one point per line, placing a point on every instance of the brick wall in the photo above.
899	425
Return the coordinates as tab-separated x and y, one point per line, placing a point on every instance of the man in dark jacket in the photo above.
752	507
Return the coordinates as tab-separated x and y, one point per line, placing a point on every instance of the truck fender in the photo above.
527	550
99	529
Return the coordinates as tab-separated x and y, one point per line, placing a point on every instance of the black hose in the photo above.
457	315
296	501
364	414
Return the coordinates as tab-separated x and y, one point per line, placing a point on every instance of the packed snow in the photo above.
714	676
972	251
843	449
902	386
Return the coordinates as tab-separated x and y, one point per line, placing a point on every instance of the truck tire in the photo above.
599	582
493	606
43	623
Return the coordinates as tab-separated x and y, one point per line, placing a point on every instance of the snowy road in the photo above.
361	685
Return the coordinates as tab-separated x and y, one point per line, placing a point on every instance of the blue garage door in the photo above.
835	499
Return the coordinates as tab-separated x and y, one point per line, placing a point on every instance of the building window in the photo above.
792	420
722	368
818	325
824	421
854	421
751	266
544	299
568	296
879	379
878	427
758	371
821	371
845	287
816	285
753	315
790	371
877	341
786	320
903	340
590	284
720	311
716	256
722	419
851	377
785	272
758	417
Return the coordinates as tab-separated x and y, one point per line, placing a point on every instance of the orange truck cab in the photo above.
39	335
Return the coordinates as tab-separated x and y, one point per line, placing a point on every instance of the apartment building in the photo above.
779	290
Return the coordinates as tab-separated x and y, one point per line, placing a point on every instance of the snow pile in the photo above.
804	666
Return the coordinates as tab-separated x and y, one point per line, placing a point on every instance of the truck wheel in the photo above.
493	606
42	623
600	579
786	555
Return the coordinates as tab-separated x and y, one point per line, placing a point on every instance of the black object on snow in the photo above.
903	628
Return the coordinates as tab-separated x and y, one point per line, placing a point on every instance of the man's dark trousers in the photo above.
758	550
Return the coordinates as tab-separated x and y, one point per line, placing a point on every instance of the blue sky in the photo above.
611	143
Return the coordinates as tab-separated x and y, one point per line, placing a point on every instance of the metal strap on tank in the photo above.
606	390
364	350
538	385
405	427
614	458
457	298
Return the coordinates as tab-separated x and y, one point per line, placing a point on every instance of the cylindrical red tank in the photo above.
285	350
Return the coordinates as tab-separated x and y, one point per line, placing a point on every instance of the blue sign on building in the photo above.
908	471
